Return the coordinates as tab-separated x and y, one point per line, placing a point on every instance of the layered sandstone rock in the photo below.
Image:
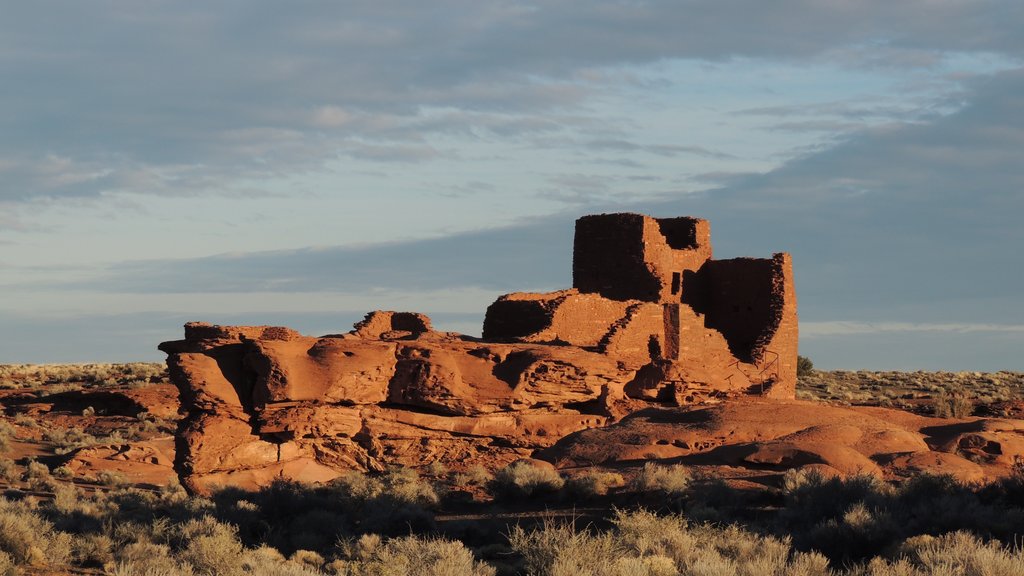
651	320
765	435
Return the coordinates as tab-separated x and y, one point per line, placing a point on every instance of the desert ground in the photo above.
89	488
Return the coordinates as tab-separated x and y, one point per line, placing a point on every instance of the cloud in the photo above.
909	223
161	98
667	150
918	220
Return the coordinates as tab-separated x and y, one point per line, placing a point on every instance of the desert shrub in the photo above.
804	366
411	556
211	547
111	478
307	558
671	480
361	548
291	516
8	471
935	504
952	405
26	421
1010	488
523	479
63	472
67	440
714	500
7	565
593	483
643	543
473	476
7	433
436	469
960	552
38	477
92	549
812	498
29	539
148	558
267	561
842	518
398	501
857	518
563	549
402	485
860	532
313	530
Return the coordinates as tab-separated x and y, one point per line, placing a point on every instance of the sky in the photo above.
303	163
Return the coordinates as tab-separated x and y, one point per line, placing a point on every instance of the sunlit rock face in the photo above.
651	321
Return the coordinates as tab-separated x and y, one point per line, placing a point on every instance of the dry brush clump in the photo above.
592	484
525	480
672	480
408	555
952	405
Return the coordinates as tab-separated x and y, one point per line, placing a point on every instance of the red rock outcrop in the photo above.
651	320
775	435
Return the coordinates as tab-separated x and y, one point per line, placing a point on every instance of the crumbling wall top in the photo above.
627	256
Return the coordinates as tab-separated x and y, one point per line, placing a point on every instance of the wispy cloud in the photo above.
111	98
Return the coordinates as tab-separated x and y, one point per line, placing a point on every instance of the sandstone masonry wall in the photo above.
651	320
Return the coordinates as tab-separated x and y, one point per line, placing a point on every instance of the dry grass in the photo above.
917	391
76	376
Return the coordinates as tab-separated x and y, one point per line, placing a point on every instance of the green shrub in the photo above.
804	366
523	480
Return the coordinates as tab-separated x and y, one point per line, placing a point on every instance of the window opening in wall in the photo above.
675	282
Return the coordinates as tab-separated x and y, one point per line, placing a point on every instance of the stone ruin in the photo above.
651	320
